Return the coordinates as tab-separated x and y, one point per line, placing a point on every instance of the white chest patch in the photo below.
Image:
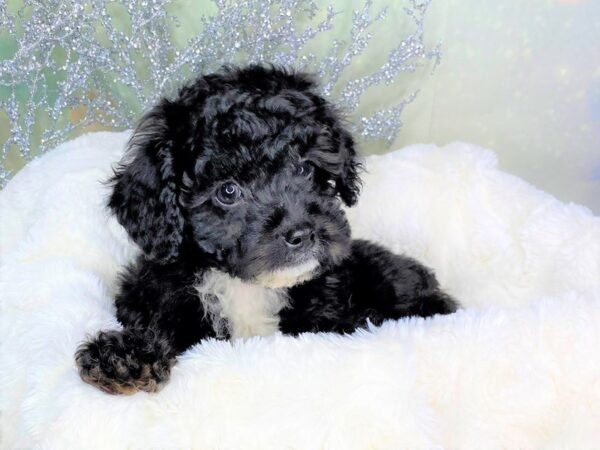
240	308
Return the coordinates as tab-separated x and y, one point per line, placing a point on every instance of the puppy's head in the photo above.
248	167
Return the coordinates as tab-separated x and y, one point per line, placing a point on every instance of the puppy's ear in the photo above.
145	196
348	182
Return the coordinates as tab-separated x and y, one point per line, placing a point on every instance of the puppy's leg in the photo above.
161	315
126	361
389	286
373	284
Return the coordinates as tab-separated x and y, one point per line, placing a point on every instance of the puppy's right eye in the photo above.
228	193
304	169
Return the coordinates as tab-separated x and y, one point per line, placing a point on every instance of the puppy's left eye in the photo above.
228	193
304	169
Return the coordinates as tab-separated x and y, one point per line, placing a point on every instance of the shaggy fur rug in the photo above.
518	367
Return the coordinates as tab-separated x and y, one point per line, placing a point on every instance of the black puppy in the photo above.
233	191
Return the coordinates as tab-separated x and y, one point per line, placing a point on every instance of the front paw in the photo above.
124	362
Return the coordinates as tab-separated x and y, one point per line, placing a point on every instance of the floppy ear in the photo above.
145	196
348	182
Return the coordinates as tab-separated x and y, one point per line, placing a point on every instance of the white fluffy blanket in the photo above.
518	367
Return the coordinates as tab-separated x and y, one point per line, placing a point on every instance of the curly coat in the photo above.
233	191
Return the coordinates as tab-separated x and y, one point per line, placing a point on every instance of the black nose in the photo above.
299	237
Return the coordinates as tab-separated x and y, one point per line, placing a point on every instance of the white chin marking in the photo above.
288	276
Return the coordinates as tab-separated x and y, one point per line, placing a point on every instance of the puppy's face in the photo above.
250	167
272	220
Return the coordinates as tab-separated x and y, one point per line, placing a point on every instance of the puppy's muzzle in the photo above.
300	237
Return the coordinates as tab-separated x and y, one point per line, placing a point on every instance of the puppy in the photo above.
234	191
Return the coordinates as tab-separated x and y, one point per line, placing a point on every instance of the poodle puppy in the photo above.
233	190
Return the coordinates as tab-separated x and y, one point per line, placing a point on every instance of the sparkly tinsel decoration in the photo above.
76	68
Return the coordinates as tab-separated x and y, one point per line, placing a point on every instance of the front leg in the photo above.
373	284
161	315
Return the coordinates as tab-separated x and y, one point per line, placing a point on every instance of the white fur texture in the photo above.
242	309
288	276
519	367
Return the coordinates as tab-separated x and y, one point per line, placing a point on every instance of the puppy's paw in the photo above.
124	362
436	303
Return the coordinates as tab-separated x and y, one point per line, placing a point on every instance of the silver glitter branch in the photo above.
98	64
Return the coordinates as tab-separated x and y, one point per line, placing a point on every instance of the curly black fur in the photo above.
240	178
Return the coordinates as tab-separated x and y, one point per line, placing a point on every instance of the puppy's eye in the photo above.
329	187
304	169
228	193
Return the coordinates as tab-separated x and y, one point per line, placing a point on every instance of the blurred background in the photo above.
521	77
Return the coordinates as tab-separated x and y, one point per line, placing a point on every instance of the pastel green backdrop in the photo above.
519	77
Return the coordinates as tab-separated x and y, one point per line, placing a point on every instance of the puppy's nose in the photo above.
299	237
